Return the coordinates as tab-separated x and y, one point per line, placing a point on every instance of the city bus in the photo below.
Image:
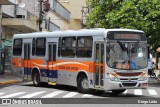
89	59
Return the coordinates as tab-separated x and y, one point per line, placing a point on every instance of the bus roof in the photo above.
82	32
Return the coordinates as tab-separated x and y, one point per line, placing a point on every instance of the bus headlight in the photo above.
112	77
143	77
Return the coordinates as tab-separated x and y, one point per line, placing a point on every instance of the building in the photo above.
58	15
76	8
22	16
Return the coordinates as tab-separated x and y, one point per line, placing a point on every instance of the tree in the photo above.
133	14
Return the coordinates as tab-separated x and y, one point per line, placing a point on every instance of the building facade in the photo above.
75	7
22	16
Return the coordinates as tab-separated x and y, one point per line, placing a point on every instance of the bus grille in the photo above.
129	84
129	74
126	79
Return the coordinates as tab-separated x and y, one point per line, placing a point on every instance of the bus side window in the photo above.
40	46
84	46
68	46
33	46
59	46
17	47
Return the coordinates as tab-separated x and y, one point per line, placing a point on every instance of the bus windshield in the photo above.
126	55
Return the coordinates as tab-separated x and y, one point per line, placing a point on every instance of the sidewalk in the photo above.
9	78
153	81
157	72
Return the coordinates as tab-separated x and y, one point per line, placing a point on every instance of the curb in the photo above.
9	82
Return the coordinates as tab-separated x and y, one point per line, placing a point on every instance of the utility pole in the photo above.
85	11
0	38
46	7
40	15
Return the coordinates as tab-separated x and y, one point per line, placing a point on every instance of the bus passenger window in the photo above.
68	47
84	48
17	47
59	46
40	46
33	46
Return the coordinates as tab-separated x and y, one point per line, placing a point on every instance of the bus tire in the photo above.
82	84
118	91
36	79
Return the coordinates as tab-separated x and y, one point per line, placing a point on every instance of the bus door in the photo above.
27	63
52	67
99	59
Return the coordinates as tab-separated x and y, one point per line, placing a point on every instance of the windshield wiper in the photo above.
122	46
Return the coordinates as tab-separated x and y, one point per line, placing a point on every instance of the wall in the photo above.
75	24
8	10
32	6
75	7
63	24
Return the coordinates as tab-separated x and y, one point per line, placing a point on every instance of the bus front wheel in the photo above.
36	79
82	84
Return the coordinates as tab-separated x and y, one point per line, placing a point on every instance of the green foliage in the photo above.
133	14
158	76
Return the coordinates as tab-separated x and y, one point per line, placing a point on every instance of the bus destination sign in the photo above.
126	36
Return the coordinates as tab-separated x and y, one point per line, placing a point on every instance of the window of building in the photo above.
84	46
68	47
17	47
40	46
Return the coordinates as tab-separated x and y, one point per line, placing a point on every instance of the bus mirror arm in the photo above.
134	47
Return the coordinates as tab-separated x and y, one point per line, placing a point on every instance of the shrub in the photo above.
158	76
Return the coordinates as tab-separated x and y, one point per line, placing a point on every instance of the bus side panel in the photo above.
41	65
68	71
47	72
17	65
27	67
70	78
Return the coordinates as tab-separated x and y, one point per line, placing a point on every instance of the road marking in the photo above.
1	93
71	94
12	95
152	92
87	95
52	94
125	92
32	94
137	92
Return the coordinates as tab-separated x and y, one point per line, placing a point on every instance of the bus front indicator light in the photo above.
144	77
112	77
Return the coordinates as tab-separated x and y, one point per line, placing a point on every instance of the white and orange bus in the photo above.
101	59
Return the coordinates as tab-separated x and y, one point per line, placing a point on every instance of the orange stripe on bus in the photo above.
64	65
17	62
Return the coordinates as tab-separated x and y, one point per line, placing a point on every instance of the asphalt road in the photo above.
27	90
61	94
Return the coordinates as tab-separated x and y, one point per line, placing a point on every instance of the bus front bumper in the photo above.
116	85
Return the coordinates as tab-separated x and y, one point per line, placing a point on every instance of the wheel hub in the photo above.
85	84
